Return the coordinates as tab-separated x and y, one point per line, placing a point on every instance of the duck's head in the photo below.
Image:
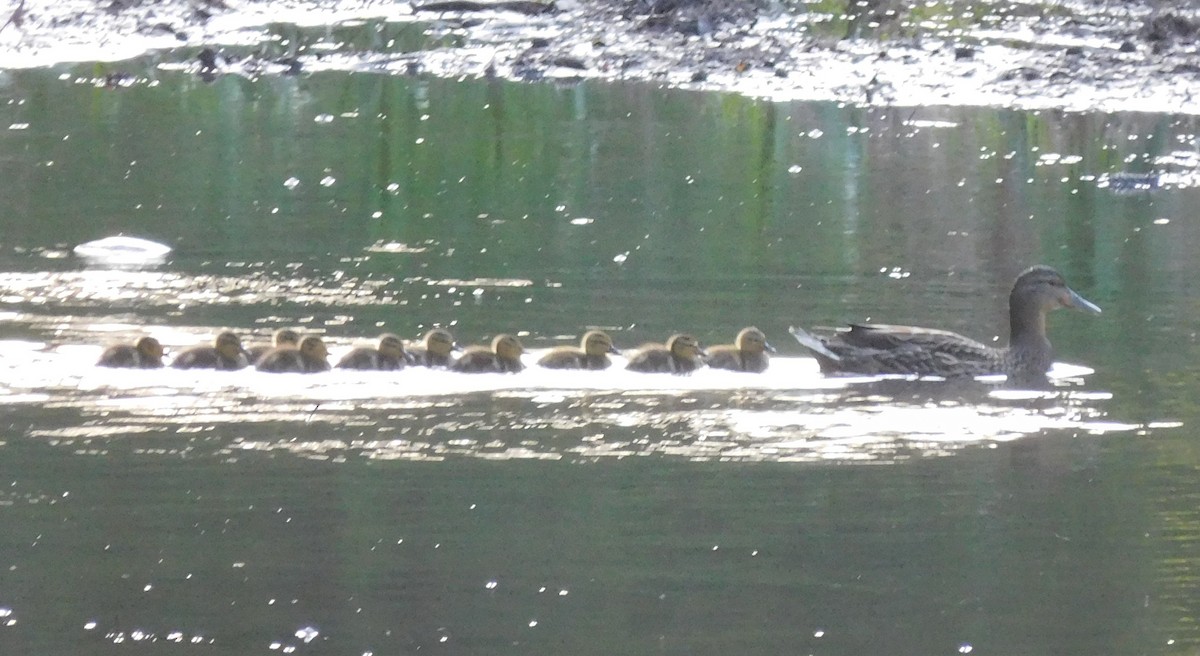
752	340
150	348
391	346
314	348
507	347
439	341
1045	289
285	337
685	347
597	343
228	344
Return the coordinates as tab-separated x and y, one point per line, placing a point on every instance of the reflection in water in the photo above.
416	511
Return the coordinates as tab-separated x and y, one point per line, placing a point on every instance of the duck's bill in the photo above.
1080	303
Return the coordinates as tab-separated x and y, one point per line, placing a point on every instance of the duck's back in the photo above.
367	358
127	357
282	360
256	352
479	359
476	360
422	357
657	358
571	357
732	358
875	349
207	357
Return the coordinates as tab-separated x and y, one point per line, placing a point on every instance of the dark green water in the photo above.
534	514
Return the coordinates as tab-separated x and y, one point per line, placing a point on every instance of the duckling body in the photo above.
747	353
592	353
310	357
146	353
680	355
389	356
282	338
504	356
434	350
908	350
225	353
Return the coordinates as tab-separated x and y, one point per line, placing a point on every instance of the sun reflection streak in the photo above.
791	413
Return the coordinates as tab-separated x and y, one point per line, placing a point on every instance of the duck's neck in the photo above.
1027	328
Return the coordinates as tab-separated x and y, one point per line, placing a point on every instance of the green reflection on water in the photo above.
649	211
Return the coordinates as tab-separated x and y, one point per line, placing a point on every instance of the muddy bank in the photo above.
1077	55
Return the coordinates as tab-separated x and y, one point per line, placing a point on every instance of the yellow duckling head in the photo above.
685	347
149	348
391	346
752	340
228	344
314	347
439	341
597	343
285	337
507	347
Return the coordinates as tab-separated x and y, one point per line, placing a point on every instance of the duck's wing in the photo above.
873	349
890	336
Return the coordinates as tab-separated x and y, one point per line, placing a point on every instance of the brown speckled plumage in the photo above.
504	356
747	353
886	349
680	355
310	357
592	353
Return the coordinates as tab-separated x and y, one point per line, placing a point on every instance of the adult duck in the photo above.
310	357
884	349
434	350
146	353
224	353
748	352
592	353
388	356
503	356
680	355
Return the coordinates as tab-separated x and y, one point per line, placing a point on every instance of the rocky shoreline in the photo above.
1074	55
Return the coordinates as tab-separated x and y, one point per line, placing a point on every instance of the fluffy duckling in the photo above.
282	338
503	356
225	353
388	357
748	352
310	357
434	350
146	353
592	353
680	355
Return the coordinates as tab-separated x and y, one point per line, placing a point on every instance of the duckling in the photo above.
680	355
592	353
225	353
146	353
389	356
434	350
282	338
908	350
503	356
748	352
309	358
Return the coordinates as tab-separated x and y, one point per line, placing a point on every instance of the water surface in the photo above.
549	512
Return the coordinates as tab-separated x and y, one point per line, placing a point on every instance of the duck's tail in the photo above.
813	343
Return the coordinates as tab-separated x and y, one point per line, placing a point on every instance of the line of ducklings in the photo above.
289	353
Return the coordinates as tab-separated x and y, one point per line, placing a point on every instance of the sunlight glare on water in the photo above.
788	413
